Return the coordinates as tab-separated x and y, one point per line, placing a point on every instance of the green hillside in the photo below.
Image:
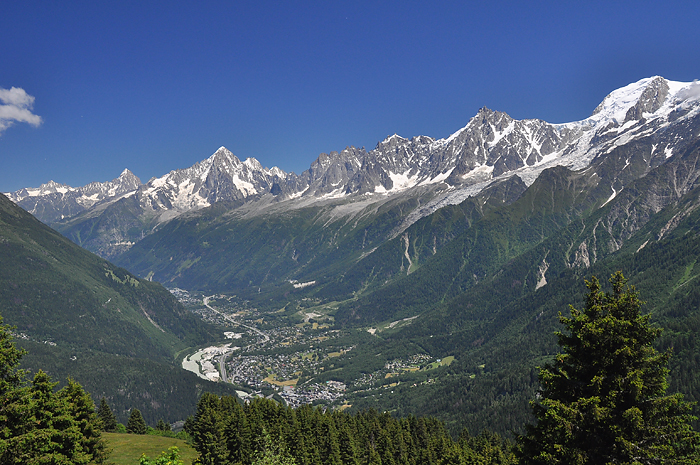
79	315
126	449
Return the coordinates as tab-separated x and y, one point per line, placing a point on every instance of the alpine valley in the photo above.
424	276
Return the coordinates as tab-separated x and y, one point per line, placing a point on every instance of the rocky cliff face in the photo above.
652	98
642	177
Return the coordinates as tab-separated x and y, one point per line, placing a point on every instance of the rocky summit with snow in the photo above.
492	147
221	177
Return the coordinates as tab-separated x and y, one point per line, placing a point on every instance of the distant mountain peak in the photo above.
221	177
633	100
53	186
391	141
253	164
128	179
53	201
223	155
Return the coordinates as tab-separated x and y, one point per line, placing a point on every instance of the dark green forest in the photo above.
226	432
39	425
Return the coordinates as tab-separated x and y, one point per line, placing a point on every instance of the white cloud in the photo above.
16	106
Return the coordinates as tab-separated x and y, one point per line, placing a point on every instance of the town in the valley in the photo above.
280	361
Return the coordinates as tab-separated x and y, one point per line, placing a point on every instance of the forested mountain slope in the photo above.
81	316
501	327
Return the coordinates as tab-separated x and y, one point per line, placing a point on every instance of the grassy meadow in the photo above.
126	449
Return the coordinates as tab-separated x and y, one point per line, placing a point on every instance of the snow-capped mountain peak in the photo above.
128	179
253	164
492	145
616	104
50	187
649	97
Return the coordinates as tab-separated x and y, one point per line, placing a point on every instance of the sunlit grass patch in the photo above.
127	448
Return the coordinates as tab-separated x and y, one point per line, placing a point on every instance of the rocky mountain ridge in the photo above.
53	202
221	177
353	242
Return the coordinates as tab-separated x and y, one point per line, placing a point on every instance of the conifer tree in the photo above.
14	408
188	427
136	423
237	435
330	448
106	416
272	452
604	399
347	446
82	409
163	426
54	436
373	456
208	431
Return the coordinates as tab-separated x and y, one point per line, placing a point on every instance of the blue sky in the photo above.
156	86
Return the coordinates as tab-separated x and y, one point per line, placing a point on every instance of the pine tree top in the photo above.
604	398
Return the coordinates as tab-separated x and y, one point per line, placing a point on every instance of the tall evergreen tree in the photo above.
272	453
82	409
14	398
347	446
208	431
330	448
237	436
54	437
106	416
604	399
136	423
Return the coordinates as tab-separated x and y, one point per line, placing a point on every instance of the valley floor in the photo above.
293	363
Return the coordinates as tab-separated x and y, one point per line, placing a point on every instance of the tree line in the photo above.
226	432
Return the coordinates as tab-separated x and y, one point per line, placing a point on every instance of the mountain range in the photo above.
490	148
478	239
